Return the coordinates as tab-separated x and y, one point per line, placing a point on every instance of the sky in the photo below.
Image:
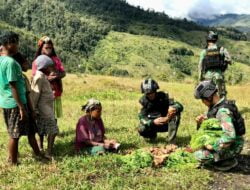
194	8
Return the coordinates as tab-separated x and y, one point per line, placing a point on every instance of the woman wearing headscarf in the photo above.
42	97
90	131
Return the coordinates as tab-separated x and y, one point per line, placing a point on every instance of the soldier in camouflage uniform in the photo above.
221	154
213	63
158	112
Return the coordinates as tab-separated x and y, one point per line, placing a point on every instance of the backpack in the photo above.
214	60
238	120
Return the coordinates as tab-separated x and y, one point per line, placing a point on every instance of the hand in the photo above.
199	119
159	121
225	145
108	145
172	110
209	147
23	114
51	77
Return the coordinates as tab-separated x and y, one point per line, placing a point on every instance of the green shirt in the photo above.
10	71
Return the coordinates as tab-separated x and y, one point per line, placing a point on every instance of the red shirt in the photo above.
87	129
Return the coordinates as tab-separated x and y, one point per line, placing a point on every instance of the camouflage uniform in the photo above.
158	108
229	136
216	75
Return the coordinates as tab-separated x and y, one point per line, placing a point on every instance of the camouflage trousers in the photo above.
218	78
210	157
171	128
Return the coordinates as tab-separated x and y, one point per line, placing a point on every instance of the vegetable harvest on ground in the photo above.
171	156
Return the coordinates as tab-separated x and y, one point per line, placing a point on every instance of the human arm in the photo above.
13	73
229	135
16	96
56	75
143	114
201	66
227	57
36	89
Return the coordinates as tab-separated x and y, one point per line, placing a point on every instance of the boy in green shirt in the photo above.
12	93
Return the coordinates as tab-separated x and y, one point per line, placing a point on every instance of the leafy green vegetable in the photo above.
136	160
209	132
180	159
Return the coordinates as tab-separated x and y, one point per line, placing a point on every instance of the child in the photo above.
90	131
43	98
46	47
12	93
32	125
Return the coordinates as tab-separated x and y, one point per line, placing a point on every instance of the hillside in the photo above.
239	21
112	37
123	54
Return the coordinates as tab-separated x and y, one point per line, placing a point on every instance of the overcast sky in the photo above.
195	8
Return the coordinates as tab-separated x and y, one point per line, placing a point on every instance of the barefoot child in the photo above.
31	128
12	94
43	99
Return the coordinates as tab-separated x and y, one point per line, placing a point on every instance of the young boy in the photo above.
12	93
43	99
32	123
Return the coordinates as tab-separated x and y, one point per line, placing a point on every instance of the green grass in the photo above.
142	56
119	97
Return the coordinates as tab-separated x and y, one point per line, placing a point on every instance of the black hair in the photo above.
39	50
8	37
91	109
19	58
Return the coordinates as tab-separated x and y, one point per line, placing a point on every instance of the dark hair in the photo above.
90	109
19	58
8	37
39	50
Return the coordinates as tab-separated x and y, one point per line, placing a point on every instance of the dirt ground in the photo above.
236	179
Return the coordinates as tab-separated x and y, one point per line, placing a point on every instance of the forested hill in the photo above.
88	35
78	25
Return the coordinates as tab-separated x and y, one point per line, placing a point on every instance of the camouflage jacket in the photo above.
157	108
224	115
223	51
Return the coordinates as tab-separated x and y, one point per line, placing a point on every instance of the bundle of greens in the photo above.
138	159
180	159
209	133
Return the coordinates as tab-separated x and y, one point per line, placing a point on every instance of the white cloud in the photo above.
205	8
157	5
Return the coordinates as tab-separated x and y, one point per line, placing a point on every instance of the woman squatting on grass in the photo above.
46	47
43	99
90	131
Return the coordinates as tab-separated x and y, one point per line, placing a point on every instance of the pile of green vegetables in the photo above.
138	159
180	159
208	134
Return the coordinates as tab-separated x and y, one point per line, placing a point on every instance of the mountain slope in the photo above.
240	22
123	54
112	37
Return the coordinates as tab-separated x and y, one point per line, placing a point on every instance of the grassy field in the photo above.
119	97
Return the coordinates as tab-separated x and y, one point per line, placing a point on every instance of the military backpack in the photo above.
214	60
238	120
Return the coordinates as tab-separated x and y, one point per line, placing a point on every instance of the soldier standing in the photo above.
213	63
